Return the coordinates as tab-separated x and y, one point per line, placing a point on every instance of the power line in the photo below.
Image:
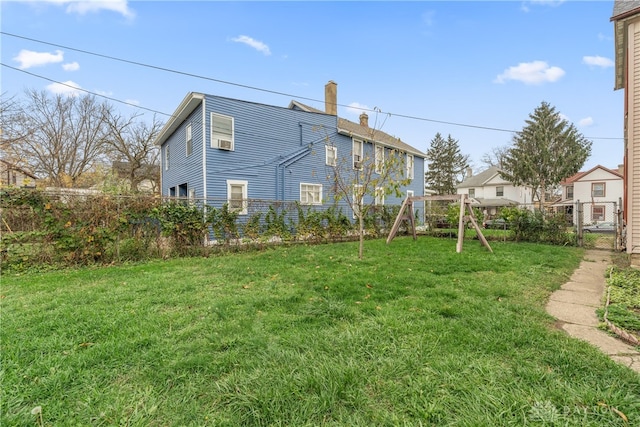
184	73
86	91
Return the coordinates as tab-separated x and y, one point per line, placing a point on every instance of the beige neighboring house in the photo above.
598	188
14	176
490	192
626	21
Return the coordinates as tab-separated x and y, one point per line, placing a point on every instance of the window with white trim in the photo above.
410	169
189	142
358	153
472	192
379	200
379	158
237	196
569	192
331	155
598	189
222	132
166	157
500	191
310	194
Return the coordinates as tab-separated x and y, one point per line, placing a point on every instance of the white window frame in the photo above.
245	185
331	155
166	157
358	155
597	184
501	192
217	136
569	193
410	166
306	189
379	200
189	140
379	158
472	192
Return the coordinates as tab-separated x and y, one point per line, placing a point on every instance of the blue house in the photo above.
230	151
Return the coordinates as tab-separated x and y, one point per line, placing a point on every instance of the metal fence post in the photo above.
579	219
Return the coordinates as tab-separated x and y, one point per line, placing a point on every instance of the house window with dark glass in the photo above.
500	191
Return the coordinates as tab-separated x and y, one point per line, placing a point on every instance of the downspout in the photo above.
204	149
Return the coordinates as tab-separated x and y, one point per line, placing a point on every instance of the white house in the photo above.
15	176
489	191
598	189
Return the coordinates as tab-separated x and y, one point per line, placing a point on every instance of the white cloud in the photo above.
103	93
427	17
256	44
587	121
524	6
84	7
603	37
29	58
597	61
531	73
66	88
356	108
71	66
90	6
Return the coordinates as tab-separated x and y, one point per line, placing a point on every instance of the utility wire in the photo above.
197	76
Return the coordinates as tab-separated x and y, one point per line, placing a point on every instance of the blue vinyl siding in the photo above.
275	149
267	140
183	169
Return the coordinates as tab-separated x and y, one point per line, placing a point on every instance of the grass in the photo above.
414	334
624	286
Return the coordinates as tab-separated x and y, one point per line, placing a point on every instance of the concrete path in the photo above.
575	304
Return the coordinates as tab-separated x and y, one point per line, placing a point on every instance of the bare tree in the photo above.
495	157
130	143
65	135
364	178
12	129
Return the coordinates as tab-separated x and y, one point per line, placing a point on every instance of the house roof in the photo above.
623	10
479	201
186	107
578	176
480	179
11	166
353	129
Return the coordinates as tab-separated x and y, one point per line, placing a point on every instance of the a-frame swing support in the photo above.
406	214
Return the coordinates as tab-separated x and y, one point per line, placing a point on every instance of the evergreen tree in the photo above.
546	151
445	165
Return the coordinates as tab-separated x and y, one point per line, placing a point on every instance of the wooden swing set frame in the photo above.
406	214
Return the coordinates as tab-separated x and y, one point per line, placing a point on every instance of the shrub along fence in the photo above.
45	228
57	229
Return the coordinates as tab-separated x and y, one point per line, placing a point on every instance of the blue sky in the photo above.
454	67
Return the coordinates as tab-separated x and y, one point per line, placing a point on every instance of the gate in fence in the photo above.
599	225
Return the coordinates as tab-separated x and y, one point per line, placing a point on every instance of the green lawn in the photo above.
414	334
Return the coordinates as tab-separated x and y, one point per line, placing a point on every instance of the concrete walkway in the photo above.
575	304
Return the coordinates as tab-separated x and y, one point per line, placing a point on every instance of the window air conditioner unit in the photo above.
357	164
224	144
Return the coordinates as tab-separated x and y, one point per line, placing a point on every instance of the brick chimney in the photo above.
331	98
364	120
